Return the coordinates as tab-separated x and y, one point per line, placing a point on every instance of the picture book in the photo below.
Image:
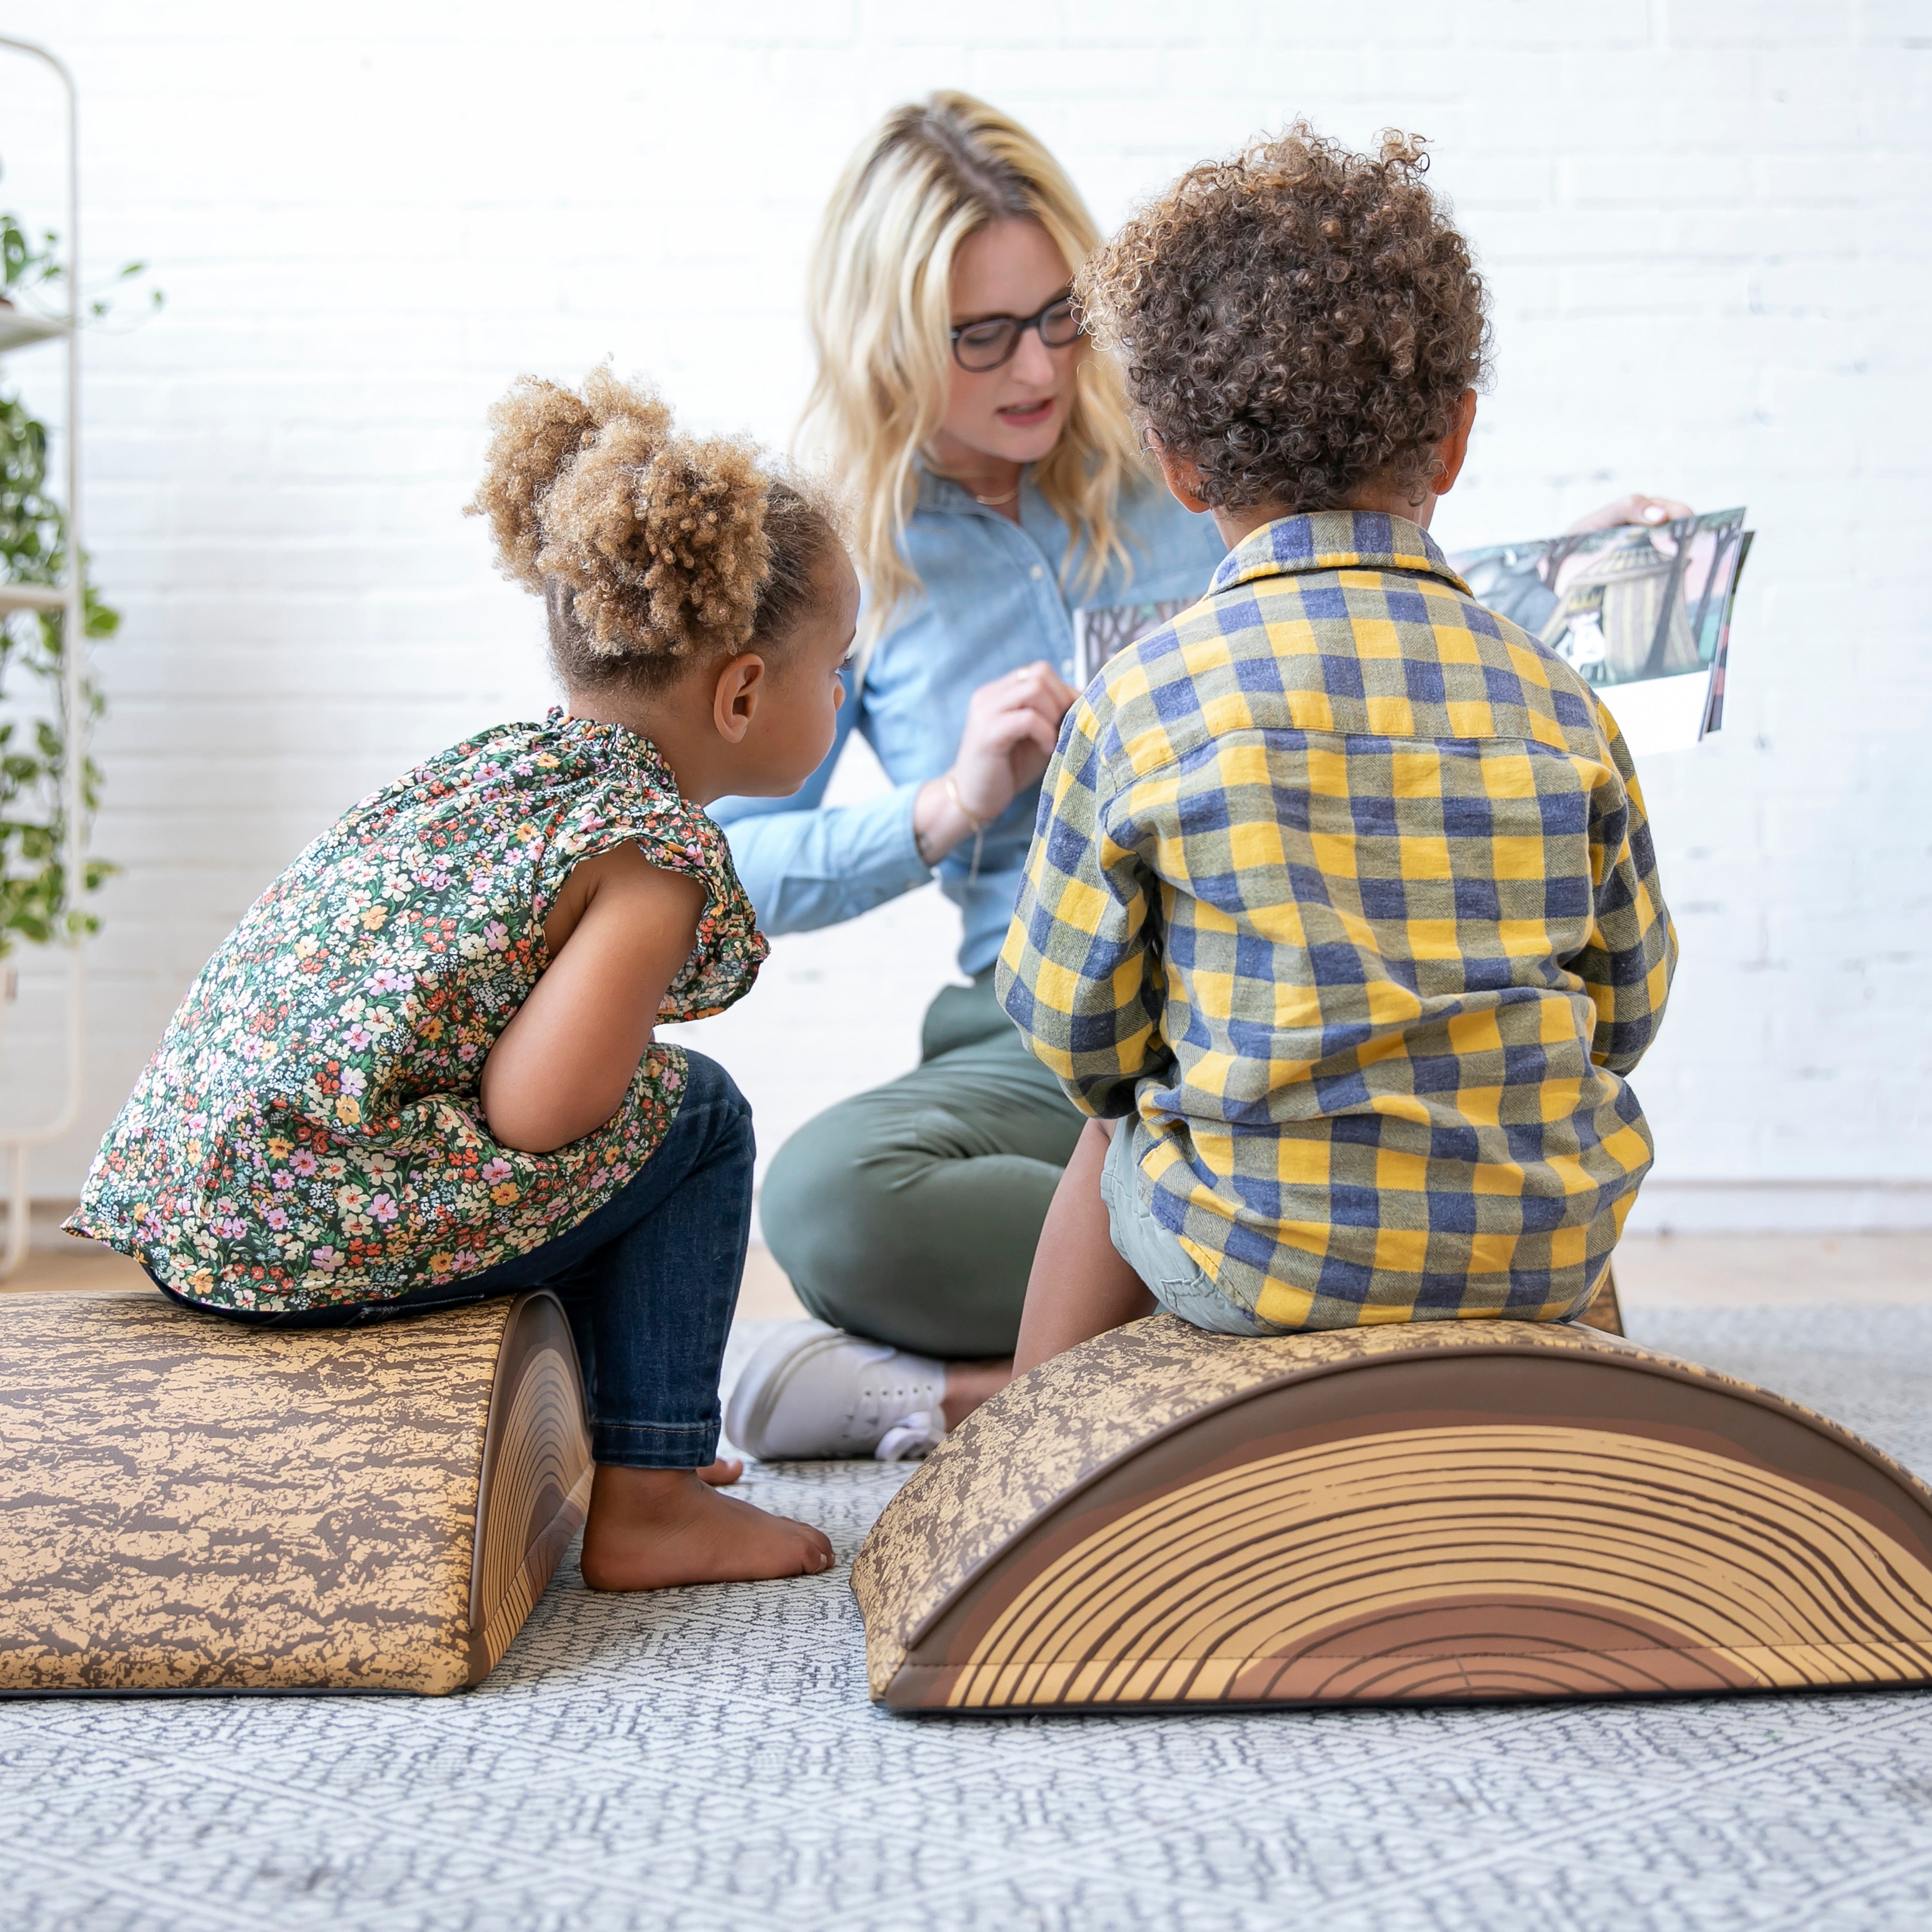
1641	612
1101	631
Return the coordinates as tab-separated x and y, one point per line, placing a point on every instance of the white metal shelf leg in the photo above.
19	1210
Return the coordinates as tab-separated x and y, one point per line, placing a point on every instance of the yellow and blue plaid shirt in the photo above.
1342	886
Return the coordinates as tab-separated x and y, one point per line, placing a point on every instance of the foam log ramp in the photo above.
1444	1512
189	1504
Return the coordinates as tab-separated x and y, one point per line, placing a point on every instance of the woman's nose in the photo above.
1033	362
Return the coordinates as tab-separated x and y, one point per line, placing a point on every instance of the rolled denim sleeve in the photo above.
804	869
804	864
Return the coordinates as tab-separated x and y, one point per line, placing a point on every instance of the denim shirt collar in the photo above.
1052	544
935	492
1334	540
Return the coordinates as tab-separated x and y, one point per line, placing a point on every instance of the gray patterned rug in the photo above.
706	1759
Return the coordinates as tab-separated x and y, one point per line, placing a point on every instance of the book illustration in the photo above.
1102	631
1641	610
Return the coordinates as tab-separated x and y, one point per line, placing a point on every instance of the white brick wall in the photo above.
1706	227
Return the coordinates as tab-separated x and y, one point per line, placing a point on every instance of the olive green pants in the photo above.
911	1214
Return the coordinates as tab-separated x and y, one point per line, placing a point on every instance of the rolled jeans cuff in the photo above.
655	1445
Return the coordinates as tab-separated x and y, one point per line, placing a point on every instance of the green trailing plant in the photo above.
38	902
28	266
34	898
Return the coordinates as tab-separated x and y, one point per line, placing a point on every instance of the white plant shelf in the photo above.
20	328
32	597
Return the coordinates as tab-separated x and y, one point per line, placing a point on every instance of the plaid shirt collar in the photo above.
1334	540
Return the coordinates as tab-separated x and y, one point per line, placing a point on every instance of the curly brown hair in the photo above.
1298	320
650	550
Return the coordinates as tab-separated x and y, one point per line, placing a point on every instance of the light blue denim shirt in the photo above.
993	600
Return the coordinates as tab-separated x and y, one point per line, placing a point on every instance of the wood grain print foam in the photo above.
1451	1517
191	1505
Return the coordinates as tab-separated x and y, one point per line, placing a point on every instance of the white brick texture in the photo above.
1705	221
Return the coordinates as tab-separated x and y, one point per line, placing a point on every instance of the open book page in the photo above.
1102	631
1713	709
1642	613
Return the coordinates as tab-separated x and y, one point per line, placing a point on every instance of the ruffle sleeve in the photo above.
638	804
724	962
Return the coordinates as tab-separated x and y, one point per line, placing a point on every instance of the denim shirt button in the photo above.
1037	572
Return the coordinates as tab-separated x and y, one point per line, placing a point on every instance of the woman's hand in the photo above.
1635	508
1011	726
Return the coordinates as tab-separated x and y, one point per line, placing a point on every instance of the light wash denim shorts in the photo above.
1174	1277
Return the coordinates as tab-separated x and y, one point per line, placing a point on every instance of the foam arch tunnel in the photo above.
1441	1512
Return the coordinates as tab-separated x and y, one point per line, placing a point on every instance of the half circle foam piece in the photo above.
194	1505
1453	1511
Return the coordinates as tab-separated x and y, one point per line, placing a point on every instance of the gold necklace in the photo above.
989	503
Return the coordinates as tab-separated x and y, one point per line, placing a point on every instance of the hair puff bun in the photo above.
660	539
535	430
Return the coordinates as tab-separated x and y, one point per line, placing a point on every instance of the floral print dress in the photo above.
310	1131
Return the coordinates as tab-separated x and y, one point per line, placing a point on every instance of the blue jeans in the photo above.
648	1282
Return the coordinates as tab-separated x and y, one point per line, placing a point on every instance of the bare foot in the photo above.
721	1474
651	1529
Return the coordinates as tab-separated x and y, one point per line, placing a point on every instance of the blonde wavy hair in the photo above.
880	300
651	550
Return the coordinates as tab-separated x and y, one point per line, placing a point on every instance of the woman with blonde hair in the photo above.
1000	490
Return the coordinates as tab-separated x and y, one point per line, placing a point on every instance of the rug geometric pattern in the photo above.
707	1760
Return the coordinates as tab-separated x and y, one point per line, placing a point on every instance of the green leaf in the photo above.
35	892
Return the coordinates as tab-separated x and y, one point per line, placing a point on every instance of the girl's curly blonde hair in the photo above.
650	550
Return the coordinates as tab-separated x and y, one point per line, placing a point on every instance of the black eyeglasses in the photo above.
984	344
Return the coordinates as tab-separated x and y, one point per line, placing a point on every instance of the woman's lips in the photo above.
1024	415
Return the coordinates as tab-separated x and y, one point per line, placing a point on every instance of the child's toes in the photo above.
722	1473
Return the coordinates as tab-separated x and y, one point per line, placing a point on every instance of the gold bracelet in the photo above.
978	829
958	803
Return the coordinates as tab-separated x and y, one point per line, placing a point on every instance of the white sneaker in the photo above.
812	1391
912	1438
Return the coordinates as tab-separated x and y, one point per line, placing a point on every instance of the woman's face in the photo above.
1016	411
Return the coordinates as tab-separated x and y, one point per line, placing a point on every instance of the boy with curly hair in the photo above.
1341	917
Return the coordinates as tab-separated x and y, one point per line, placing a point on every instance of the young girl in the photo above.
421	1071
